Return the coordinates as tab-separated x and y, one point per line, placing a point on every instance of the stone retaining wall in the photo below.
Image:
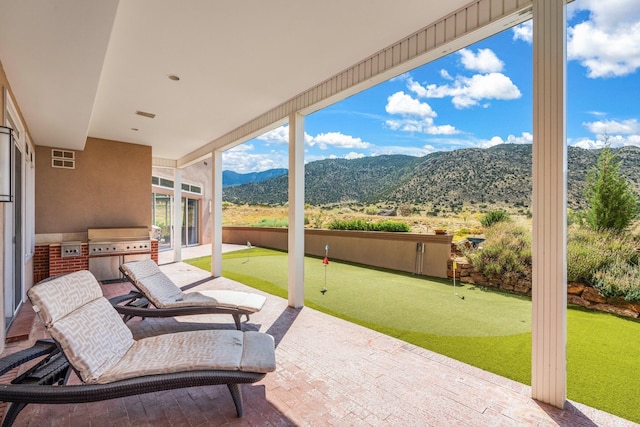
577	293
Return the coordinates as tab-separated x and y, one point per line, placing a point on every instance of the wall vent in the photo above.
64	159
145	114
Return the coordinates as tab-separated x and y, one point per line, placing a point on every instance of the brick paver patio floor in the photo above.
330	373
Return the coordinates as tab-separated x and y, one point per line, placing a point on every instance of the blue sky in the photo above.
480	96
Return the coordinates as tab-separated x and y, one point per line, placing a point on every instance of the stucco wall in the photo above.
395	251
199	173
109	187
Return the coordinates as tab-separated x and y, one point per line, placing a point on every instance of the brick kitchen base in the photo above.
48	262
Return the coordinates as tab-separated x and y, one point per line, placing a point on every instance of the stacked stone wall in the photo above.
577	293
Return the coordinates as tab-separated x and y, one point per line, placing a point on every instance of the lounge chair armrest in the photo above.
39	349
132	299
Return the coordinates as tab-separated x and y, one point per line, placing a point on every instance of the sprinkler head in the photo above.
323	291
462	297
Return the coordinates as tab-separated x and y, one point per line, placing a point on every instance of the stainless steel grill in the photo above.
109	248
121	247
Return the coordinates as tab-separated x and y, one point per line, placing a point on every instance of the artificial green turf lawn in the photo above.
490	330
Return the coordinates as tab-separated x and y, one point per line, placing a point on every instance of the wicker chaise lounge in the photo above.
168	300
91	339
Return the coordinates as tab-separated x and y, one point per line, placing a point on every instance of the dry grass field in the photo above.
461	225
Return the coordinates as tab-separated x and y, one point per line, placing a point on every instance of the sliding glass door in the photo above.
162	206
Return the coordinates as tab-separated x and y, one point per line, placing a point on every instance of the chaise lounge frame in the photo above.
137	304
45	382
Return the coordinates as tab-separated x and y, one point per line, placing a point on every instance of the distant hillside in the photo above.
443	181
230	178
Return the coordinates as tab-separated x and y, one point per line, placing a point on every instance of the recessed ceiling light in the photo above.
145	114
173	77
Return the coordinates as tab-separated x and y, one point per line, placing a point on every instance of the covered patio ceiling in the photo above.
83	69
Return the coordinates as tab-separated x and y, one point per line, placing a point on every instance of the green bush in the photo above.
612	202
359	224
608	261
393	226
620	279
505	254
589	251
405	209
271	222
371	210
493	217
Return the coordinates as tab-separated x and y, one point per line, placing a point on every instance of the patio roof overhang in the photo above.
84	69
80	69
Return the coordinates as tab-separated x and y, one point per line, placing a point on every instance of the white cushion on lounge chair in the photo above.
52	308
222	298
163	293
102	349
192	351
83	322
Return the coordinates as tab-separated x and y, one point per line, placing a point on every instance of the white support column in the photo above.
216	214
296	210
177	216
549	294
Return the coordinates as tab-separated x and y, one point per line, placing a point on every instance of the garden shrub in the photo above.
505	254
371	210
620	279
613	204
393	226
359	224
272	222
493	217
589	251
405	209
608	261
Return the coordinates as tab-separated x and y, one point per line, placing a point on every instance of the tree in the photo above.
612	202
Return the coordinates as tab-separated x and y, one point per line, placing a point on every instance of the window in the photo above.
167	183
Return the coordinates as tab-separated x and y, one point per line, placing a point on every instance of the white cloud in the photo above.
485	61
349	156
401	77
416	116
279	135
241	159
612	132
424	126
609	127
405	150
496	140
469	91
525	138
608	43
445	74
401	103
614	141
337	140
353	155
523	31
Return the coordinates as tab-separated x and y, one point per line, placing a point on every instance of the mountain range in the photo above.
231	178
499	176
